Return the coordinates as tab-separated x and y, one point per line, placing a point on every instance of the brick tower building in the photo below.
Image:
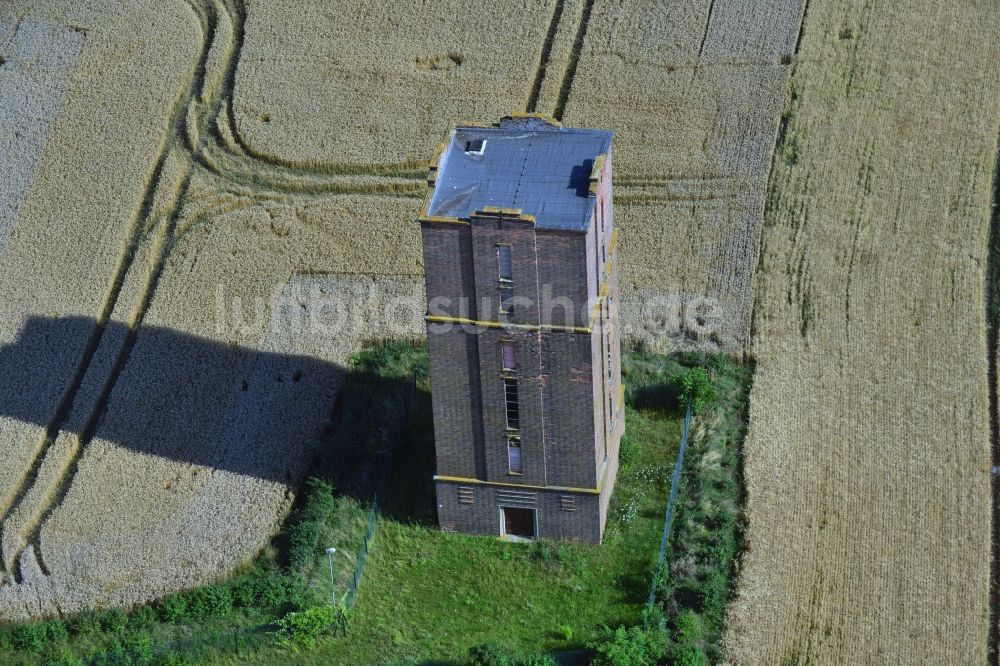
522	286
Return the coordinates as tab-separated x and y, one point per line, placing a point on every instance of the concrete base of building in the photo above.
476	507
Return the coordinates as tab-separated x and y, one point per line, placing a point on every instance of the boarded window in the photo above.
513	411
509	363
514	455
503	259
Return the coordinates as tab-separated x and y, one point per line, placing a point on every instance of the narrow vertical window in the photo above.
506	298
503	259
509	362
506	274
514	455
513	410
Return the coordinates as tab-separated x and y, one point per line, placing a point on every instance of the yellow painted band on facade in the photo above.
440	219
503	484
496	324
494	210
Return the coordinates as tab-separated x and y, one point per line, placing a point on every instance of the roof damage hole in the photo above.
475	146
441	62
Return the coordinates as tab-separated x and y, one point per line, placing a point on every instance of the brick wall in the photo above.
457	404
475	509
563	388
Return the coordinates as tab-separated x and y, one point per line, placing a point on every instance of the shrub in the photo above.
86	622
311	524
688	639
142	618
271	590
207	602
302	628
490	653
31	637
633	646
696	386
566	632
114	621
173	608
63	656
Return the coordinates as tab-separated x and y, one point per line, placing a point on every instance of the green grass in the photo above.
428	596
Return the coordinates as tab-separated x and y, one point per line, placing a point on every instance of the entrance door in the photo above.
518	522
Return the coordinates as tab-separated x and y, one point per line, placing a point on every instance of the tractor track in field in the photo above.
574	59
204	139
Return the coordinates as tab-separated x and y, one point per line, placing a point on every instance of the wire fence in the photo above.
379	496
669	517
240	640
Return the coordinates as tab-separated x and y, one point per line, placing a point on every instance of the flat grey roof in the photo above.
525	163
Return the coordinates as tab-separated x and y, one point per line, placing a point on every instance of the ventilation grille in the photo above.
567	503
517	497
466	495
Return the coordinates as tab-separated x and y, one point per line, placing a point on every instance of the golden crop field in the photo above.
867	459
694	92
206	171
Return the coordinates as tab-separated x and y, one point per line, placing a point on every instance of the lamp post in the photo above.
333	585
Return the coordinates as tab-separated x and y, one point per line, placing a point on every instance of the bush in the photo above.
311	524
263	589
63	656
696	386
687	648
31	637
173	608
302	628
142	618
633	646
490	653
114	621
208	602
86	622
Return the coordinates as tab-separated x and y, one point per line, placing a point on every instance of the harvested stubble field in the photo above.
868	453
210	150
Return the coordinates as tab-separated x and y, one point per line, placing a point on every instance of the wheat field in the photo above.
267	159
694	91
867	458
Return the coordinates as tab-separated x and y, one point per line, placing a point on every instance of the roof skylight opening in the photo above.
475	147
